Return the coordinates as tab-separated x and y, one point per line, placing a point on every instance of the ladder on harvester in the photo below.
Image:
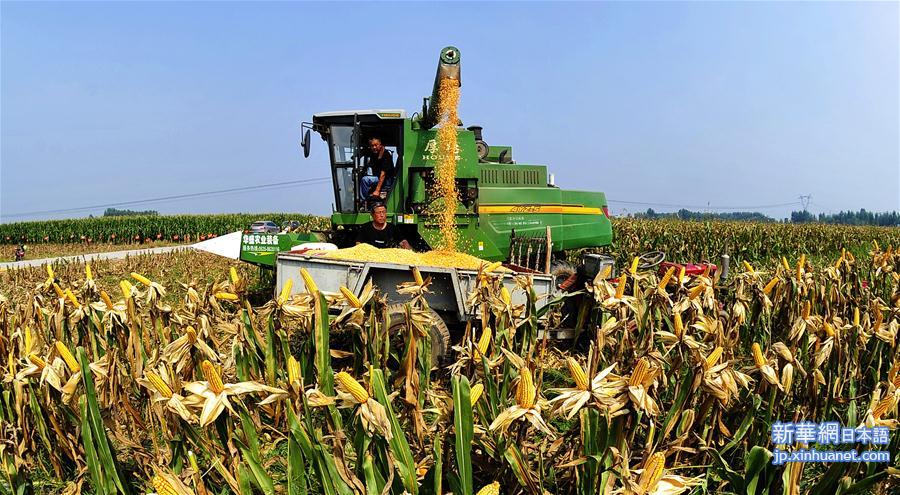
530	252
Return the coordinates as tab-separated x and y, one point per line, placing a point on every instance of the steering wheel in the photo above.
651	259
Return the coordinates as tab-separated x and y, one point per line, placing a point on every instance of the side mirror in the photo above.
304	143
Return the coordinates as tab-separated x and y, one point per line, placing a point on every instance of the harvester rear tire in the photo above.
440	334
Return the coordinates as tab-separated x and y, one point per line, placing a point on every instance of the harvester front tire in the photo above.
440	334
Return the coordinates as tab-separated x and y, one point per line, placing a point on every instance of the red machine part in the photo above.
690	269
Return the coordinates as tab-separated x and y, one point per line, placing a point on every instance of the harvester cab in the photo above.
507	211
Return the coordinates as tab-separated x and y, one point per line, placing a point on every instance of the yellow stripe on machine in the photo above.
540	209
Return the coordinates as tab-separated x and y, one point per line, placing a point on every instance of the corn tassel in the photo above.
212	377
653	471
581	381
771	285
352	387
67	356
351	298
525	391
492	489
140	278
475	393
311	286
758	358
641	369
159	384
665	280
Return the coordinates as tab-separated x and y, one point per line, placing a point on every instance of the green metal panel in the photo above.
260	249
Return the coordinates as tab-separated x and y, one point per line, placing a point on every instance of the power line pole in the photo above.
804	200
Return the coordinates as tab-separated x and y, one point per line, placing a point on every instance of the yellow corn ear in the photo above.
800	265
226	296
162	486
352	387
311	286
665	280
785	264
492	489
67	356
212	377
191	334
883	406
856	316
634	265
829	329
653	472
581	381
681	274
417	275
159	384
59	292
879	317
50	274
758	358
787	377
525	391
350	297
71	298
771	285
140	278
293	369
493	266
841	259
126	288
106	300
640	372
475	393
286	291
234	275
483	343
807	309
87	272
696	290
748	266
679	325
29	341
620	289
505	296
37	361
714	356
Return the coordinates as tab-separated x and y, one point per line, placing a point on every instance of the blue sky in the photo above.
731	104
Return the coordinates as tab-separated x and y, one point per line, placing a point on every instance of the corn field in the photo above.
138	229
118	383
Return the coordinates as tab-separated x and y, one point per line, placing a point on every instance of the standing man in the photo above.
381	162
379	233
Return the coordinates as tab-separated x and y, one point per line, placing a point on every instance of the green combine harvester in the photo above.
507	211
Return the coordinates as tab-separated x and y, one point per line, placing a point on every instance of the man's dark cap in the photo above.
376	205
